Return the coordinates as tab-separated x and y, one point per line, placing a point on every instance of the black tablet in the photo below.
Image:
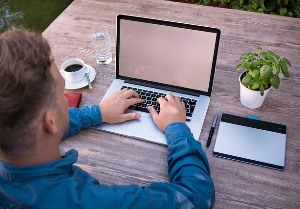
251	141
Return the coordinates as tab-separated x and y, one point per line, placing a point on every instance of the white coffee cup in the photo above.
72	70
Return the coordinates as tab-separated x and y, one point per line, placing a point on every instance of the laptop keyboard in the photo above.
151	97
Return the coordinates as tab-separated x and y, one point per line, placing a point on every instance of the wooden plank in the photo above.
120	160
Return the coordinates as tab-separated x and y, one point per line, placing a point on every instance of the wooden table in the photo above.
120	160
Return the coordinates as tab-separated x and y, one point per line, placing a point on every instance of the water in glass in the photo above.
102	47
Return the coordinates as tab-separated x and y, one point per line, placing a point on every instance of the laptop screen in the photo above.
165	54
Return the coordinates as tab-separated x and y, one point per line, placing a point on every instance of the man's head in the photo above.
31	92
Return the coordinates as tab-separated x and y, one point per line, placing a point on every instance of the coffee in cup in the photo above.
74	70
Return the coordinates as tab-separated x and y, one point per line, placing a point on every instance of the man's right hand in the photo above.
113	108
172	109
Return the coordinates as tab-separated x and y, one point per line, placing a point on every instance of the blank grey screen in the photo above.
164	54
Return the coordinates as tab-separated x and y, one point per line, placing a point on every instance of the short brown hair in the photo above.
26	86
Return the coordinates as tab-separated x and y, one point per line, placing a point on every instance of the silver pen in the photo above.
212	129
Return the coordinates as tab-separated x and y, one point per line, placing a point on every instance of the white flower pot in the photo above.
250	98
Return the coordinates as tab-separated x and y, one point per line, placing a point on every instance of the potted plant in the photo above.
262	69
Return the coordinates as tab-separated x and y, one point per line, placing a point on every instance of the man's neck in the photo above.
41	153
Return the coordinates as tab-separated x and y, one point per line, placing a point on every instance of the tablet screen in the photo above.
251	141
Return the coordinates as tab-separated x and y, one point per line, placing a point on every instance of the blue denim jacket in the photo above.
61	184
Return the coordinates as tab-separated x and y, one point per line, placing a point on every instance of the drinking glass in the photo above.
102	45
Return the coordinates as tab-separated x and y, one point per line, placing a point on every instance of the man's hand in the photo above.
113	108
172	109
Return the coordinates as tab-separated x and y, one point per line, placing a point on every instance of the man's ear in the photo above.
49	122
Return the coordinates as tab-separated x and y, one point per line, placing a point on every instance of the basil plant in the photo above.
262	69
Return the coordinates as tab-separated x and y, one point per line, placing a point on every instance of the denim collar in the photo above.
10	172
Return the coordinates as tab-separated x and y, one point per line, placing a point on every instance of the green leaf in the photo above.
247	80
275	81
284	68
254	73
262	90
263	55
265	71
265	81
274	55
257	63
287	61
276	68
270	57
255	85
246	55
283	11
247	64
262	5
240	66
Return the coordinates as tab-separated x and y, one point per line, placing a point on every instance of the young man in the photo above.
34	117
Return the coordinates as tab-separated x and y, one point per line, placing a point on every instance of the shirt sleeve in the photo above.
84	117
190	185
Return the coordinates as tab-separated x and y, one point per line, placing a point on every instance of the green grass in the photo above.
37	14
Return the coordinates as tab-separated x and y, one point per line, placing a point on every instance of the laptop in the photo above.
155	57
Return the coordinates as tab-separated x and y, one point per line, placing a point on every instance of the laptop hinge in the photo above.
163	87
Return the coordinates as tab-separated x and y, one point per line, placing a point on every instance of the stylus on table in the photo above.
212	129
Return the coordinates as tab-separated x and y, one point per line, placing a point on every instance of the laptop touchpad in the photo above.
143	126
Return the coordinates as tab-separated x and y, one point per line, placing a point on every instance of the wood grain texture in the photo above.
120	160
